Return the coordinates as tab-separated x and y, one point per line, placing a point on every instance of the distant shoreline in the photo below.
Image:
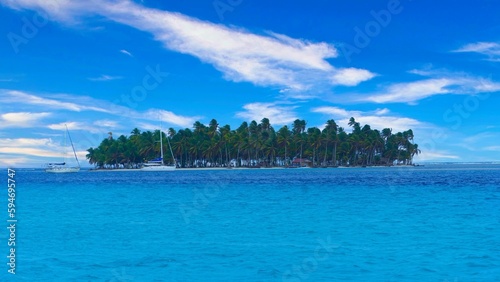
248	168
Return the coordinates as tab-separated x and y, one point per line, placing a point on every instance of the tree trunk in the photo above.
326	153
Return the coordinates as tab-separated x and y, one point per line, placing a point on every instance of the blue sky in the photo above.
109	66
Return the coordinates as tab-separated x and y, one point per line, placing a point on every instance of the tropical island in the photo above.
256	145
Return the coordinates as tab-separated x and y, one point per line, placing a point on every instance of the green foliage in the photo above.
258	144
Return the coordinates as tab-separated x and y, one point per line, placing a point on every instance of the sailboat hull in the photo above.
157	164
158	168
62	169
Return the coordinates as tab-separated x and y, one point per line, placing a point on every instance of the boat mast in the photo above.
74	152
171	152
65	146
161	146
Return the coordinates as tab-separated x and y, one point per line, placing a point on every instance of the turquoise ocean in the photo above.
430	223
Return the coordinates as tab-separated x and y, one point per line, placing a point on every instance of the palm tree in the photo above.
331	129
213	127
414	150
92	155
283	139
225	133
260	143
314	141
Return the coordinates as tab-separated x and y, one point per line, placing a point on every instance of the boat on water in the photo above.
158	163
63	167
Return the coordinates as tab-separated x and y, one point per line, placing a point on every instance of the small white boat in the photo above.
63	167
60	168
158	164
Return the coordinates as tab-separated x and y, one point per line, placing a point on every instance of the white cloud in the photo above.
278	115
82	103
21	119
123	51
22	142
490	49
106	123
14	161
162	116
382	111
43	147
334	111
435	156
492	148
410	92
29	148
351	76
376	119
73	126
149	126
56	102
30	152
267	60
104	77
480	137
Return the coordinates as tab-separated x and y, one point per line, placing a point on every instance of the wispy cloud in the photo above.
106	123
279	115
351	76
123	51
489	49
79	104
484	141
162	116
492	148
43	147
435	156
14	161
21	142
21	119
74	125
377	119
410	91
477	138
104	78
266	60
439	84
27	148
60	102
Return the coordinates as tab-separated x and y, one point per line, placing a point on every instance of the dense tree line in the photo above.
259	144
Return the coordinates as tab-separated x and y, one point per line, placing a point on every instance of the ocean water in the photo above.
432	223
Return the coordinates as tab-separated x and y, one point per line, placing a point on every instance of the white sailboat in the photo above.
158	164
64	167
